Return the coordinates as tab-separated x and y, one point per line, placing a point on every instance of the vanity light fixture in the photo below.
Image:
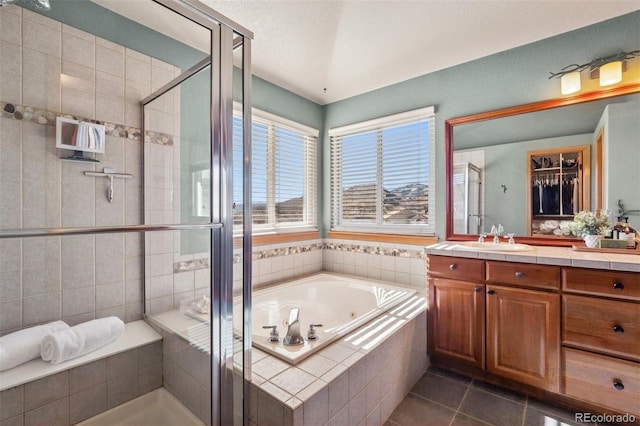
608	69
611	73
570	83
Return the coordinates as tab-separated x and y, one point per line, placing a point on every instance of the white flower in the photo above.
590	223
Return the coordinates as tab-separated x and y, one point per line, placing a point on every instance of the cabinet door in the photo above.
456	320
523	335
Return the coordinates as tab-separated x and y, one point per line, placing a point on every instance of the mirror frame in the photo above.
508	112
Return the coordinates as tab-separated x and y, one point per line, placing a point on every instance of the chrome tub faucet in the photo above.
293	336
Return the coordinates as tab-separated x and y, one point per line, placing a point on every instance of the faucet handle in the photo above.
312	335
273	335
482	237
511	240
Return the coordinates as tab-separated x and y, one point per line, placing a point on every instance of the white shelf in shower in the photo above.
136	334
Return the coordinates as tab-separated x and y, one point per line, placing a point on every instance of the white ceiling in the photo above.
353	46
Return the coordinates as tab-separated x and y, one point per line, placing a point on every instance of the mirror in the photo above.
488	161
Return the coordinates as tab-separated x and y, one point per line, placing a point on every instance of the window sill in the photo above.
384	238
265	239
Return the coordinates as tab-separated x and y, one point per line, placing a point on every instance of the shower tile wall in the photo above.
49	69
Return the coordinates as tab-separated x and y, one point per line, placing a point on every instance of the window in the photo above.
283	172
382	174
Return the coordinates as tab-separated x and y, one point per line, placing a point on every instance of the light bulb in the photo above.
611	73
570	83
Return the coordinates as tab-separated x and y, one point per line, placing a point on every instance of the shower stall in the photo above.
156	228
467	197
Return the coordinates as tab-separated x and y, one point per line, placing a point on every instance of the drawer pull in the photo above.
477	289
519	274
618	385
618	329
618	285
491	292
453	267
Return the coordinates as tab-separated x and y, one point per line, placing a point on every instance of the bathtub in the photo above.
340	303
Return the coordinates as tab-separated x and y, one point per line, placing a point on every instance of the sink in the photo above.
489	246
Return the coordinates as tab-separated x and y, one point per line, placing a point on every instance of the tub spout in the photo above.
293	336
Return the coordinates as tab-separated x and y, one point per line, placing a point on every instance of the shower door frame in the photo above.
221	212
223	43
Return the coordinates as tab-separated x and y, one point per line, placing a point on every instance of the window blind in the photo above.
284	171
382	174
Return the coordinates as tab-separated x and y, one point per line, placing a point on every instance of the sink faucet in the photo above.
293	336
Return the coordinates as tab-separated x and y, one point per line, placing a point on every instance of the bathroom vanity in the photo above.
553	323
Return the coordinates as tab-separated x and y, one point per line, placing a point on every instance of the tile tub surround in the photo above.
360	378
397	263
71	396
544	255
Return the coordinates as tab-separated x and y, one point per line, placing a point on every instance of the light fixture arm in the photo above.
596	63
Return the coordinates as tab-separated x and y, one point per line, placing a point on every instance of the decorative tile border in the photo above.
191	265
48	118
383	251
351	248
285	251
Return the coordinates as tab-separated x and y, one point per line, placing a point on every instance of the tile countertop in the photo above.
546	255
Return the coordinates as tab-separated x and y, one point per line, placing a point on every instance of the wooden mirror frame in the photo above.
508	112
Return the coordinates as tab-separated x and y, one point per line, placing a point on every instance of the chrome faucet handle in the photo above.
511	240
273	335
500	229
482	237
494	230
312	334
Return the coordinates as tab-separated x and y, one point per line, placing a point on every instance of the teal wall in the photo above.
505	79
622	160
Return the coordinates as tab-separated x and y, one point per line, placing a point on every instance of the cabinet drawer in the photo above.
456	268
624	285
608	326
524	274
602	380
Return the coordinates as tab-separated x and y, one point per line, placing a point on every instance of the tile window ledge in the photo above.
384	238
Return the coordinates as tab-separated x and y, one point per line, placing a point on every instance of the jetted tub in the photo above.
340	303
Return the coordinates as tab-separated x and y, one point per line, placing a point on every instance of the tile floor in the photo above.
442	398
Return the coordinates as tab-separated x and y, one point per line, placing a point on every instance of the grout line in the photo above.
460	403
524	413
499	396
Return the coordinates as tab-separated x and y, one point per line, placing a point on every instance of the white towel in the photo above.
24	345
81	339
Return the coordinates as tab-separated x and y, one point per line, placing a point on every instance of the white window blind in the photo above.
284	170
382	174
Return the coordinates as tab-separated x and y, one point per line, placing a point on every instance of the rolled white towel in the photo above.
24	345
81	339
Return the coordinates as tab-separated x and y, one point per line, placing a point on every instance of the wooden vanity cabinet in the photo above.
456	310
499	322
523	336
456	323
601	338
